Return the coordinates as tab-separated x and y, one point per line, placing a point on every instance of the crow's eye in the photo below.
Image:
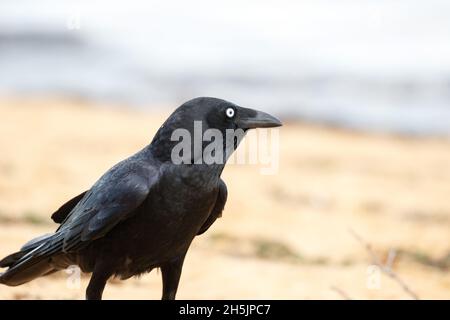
230	112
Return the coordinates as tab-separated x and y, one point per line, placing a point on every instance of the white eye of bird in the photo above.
230	112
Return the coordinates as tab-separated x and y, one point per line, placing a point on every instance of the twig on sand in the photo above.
385	268
341	292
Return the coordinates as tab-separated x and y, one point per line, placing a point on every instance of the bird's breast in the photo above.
184	198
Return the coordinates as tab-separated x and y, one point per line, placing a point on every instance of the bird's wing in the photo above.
61	214
112	199
216	212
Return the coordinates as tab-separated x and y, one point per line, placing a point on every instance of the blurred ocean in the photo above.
380	65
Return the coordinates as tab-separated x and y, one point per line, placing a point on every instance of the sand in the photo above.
282	236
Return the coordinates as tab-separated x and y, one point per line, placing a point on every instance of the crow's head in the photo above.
201	116
220	114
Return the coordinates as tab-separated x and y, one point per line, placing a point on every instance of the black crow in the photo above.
145	211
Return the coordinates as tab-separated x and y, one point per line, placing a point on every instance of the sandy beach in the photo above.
293	240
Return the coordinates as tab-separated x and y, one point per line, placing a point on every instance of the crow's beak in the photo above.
251	119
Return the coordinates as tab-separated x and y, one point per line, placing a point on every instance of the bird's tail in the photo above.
31	262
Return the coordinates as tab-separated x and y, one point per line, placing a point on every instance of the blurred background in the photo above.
362	85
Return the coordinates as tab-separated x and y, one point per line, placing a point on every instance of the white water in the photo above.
369	64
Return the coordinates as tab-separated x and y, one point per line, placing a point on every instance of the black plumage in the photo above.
141	214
